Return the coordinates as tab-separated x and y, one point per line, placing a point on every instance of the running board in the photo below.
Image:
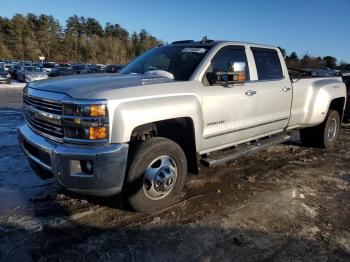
220	157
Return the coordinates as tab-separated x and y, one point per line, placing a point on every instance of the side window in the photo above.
226	55
268	64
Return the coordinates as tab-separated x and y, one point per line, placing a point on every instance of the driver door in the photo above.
227	110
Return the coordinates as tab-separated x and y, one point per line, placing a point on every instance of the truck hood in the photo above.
85	86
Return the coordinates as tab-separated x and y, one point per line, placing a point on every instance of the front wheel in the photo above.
325	134
156	174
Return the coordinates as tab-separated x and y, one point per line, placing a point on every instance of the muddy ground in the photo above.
289	203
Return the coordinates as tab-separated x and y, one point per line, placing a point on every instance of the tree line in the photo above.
84	39
80	40
308	61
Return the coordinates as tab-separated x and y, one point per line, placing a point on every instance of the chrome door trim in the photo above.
244	128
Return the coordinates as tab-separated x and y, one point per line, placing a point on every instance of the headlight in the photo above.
86	121
85	110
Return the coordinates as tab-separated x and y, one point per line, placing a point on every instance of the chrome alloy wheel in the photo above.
332	129
160	177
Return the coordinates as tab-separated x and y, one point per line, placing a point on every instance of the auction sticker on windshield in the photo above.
194	50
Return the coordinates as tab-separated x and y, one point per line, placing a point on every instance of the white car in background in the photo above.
47	66
4	76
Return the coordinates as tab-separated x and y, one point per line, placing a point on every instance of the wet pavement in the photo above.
288	203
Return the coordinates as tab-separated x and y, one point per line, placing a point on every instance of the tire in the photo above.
325	134
156	174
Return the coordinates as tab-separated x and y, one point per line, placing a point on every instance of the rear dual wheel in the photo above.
323	135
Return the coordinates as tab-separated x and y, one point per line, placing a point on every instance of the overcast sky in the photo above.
314	27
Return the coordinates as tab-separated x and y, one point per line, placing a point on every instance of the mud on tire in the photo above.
156	174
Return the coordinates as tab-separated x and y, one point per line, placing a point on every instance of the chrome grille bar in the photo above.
45	128
44	105
39	114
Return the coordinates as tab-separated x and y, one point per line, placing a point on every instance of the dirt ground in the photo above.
289	203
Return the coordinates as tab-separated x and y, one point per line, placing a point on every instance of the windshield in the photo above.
33	69
181	61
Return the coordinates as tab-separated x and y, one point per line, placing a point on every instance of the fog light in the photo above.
97	132
87	166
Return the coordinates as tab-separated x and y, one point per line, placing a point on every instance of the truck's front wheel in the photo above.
323	135
156	174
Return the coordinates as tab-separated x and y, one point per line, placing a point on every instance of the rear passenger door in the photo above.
273	90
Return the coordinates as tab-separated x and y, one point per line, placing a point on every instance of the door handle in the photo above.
285	89
250	93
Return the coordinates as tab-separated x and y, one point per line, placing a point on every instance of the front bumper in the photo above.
63	162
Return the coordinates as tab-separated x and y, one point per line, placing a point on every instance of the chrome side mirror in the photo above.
235	74
236	67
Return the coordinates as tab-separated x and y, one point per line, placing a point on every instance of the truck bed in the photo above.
311	98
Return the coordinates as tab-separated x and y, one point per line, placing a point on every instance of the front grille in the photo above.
43	104
44	116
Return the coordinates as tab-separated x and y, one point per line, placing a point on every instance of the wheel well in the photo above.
180	130
338	105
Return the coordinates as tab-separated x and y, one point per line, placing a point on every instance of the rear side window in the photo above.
268	64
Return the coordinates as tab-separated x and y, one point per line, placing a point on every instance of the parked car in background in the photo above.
90	69
47	66
4	76
320	73
114	68
79	68
97	69
31	73
7	67
62	64
61	71
13	70
346	79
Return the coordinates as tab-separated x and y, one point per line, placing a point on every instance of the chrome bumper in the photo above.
63	162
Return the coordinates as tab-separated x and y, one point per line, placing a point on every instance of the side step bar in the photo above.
220	157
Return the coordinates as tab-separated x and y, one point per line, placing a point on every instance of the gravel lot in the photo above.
288	203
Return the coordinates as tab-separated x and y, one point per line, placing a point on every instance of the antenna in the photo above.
206	40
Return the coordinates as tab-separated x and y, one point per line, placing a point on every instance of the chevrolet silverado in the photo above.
140	132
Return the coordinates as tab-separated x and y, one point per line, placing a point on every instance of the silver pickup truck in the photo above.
142	131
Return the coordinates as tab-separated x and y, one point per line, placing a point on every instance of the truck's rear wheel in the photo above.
323	135
156	174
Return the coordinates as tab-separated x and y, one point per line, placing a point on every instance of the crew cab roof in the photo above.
211	43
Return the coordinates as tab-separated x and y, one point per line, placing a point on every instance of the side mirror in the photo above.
235	75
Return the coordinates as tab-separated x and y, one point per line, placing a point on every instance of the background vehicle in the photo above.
113	68
60	71
144	129
13	70
4	76
63	64
47	66
7	66
346	79
91	69
78	68
31	73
